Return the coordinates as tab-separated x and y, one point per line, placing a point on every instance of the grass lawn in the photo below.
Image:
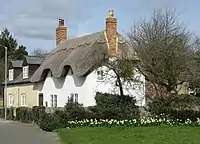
131	135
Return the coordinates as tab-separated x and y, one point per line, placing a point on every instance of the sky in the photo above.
33	22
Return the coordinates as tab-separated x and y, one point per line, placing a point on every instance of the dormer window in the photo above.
11	75
25	72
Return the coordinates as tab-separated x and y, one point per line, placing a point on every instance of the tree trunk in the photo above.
120	86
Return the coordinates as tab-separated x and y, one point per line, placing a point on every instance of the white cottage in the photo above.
70	70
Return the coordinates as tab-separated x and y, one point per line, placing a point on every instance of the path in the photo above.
17	133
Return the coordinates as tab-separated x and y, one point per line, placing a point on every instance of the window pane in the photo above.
25	72
55	100
51	100
72	98
23	99
10	100
11	75
76	97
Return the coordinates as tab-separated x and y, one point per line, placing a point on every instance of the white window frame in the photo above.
10	100
23	99
54	100
25	72
11	74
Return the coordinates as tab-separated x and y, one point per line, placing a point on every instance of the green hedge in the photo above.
177	107
109	106
10	113
48	122
29	115
24	114
38	112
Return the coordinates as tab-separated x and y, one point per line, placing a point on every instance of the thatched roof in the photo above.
80	54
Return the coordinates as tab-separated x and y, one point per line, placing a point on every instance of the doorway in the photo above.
41	99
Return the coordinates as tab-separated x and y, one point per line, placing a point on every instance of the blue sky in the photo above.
33	22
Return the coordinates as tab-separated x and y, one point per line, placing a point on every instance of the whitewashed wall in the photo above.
86	87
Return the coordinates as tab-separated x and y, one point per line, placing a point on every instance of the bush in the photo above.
24	114
62	118
75	111
10	113
48	122
177	107
109	106
38	112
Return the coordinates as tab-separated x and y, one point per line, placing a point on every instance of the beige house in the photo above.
20	90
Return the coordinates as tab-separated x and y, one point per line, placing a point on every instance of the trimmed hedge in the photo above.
24	114
29	115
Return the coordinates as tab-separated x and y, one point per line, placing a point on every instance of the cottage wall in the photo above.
86	88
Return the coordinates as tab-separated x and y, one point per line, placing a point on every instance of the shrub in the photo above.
75	110
109	106
177	107
38	112
10	113
24	114
48	122
62	118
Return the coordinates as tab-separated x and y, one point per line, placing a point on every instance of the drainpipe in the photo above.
18	98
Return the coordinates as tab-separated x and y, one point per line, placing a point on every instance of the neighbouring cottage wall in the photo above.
86	88
14	93
135	89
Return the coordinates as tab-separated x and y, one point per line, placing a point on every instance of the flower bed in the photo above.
134	122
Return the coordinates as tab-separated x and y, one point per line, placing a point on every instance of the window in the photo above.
55	100
41	99
25	72
100	75
23	99
74	97
46	104
11	73
10	100
51	100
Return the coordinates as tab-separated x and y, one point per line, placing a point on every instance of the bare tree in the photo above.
194	79
120	72
39	52
164	47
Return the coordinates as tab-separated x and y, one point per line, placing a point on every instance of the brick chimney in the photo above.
111	33
61	32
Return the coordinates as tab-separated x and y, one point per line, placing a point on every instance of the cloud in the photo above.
38	18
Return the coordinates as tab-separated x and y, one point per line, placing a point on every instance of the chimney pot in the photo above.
111	13
61	22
